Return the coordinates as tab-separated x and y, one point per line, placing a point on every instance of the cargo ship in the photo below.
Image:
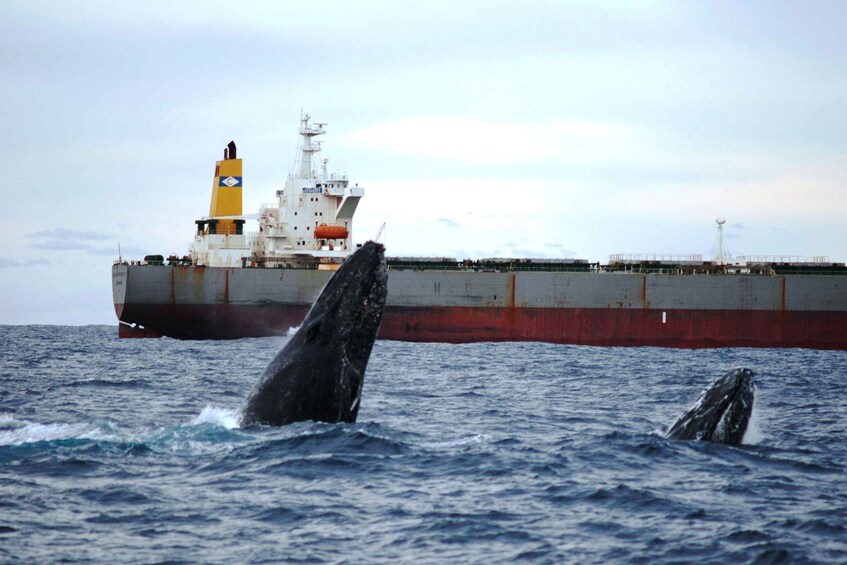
234	284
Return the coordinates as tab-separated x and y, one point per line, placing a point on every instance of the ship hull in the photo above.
689	311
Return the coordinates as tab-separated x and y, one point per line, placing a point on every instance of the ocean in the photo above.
129	451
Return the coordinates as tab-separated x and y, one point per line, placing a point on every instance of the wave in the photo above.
215	430
18	432
211	429
109	383
460	442
344	439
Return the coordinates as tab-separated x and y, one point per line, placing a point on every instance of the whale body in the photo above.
319	372
722	412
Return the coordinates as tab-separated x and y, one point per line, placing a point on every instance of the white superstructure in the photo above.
309	225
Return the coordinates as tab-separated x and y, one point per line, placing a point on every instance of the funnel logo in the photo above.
230	181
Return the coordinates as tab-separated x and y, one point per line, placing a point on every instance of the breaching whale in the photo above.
722	411
318	374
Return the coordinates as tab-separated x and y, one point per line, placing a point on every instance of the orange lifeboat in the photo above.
326	231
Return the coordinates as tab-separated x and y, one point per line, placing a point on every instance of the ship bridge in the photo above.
312	220
310	225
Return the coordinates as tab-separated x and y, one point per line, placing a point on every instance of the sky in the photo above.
478	128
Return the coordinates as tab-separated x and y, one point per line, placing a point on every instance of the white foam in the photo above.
753	435
291	331
6	419
31	432
225	417
478	438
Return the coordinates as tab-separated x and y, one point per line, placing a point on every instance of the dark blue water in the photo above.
128	450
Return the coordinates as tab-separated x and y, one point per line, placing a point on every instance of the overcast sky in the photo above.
478	129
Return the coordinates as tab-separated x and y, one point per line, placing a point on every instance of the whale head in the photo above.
319	372
722	412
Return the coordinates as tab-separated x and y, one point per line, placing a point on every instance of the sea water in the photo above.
130	451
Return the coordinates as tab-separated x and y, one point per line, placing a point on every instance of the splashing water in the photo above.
224	417
753	435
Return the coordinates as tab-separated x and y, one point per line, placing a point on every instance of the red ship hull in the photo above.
579	326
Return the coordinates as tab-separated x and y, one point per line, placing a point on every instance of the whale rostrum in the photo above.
722	412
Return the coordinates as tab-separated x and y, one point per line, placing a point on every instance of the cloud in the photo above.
781	200
560	250
61	239
61	245
129	251
462	196
484	142
110	251
10	263
62	233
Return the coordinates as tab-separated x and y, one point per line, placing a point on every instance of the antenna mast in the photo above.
721	251
307	146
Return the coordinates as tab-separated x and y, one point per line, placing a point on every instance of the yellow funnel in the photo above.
226	193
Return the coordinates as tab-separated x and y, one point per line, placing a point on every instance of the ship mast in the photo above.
308	147
721	253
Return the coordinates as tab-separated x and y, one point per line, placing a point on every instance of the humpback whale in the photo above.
318	374
722	411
